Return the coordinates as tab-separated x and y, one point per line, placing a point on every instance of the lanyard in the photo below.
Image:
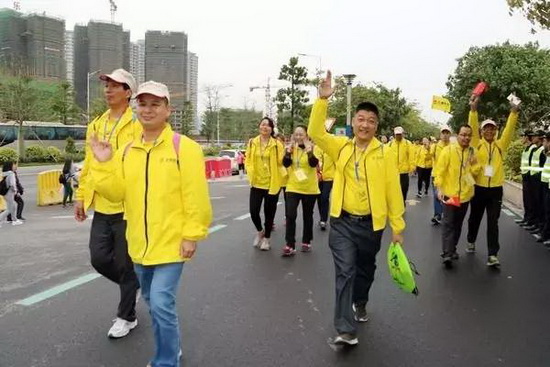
112	130
356	161
299	158
490	150
262	152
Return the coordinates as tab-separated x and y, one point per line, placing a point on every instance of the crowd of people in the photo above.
147	187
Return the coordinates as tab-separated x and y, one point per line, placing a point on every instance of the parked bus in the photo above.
51	133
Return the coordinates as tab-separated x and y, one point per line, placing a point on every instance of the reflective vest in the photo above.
525	159
546	171
535	167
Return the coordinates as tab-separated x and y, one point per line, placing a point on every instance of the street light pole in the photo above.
349	80
88	93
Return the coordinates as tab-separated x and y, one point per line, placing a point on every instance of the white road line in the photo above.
239	186
508	212
216	228
69	217
217	197
243	217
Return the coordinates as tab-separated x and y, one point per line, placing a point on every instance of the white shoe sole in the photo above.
341	341
131	327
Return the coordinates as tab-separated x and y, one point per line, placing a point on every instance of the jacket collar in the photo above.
166	134
373	145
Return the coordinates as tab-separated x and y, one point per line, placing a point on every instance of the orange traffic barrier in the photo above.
49	189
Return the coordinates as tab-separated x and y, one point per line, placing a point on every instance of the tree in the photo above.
507	68
210	115
239	124
188	118
98	107
536	11
291	101
63	105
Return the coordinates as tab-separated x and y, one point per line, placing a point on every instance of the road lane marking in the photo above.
239	186
217	197
243	217
49	293
70	217
508	212
216	228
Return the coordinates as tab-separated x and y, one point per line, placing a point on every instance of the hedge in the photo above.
8	154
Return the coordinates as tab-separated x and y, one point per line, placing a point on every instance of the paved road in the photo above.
241	307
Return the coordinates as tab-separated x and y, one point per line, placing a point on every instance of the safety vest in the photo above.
535	167
546	171
525	159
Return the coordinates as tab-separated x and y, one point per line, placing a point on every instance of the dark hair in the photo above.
463	126
367	106
271	125
7	166
67	166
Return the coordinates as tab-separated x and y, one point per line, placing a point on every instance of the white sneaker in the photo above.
121	328
258	240
16	223
264	245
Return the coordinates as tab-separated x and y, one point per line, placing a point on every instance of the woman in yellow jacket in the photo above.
327	168
302	187
160	179
424	165
264	157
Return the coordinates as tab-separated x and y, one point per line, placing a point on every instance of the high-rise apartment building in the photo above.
69	56
193	86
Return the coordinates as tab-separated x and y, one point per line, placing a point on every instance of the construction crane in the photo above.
269	105
113	10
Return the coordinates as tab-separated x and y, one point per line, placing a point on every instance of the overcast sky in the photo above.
412	45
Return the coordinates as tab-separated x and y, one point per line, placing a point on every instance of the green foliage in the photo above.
70	147
238	124
188	118
536	11
97	107
208	129
512	161
63	105
54	154
37	153
8	154
211	151
75	157
507	68
291	101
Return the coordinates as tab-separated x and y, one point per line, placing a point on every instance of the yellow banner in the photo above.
440	103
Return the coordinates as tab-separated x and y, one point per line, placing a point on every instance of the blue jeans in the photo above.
438	207
159	285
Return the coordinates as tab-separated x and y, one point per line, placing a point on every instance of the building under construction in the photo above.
32	44
98	48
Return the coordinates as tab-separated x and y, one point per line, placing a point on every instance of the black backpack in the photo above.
62	179
4	186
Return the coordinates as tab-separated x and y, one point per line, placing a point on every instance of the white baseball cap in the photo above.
488	122
123	77
398	130
445	128
157	89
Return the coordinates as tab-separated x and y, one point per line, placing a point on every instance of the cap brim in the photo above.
489	123
106	77
151	93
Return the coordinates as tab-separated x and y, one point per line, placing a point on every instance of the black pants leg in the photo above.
255	204
308	204
324	199
540	204
537	207
109	256
404	180
452	227
67	193
427	179
20	206
479	203
420	178
494	207
546	228
527	205
292	202
270	209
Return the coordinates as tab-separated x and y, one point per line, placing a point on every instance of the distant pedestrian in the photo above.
18	196
327	169
405	153
240	163
424	164
444	140
68	176
528	149
8	189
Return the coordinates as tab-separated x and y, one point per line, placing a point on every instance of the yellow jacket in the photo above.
127	130
492	154
424	157
405	154
165	202
326	164
435	151
275	152
383	187
454	174
300	161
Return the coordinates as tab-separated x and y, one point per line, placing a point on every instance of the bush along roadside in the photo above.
512	161
39	154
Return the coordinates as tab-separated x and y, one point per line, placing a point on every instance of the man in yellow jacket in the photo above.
108	246
366	193
454	178
444	140
488	188
404	156
160	179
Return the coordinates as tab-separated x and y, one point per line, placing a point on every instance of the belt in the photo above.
345	214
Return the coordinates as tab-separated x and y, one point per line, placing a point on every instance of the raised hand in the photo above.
474	102
309	145
103	151
325	88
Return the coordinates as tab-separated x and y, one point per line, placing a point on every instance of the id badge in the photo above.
489	171
469	179
300	175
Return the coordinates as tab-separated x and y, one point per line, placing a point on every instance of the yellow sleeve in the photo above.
108	177
508	133
328	143
475	169
441	167
473	121
412	156
194	190
88	158
394	197
249	161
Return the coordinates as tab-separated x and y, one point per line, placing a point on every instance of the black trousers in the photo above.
323	201
404	180
67	193
308	203
546	228
486	199
423	178
109	256
20	206
536	192
257	196
528	214
453	217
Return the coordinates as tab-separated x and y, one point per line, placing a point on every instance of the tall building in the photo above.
193	86
134	59
69	56
166	62
98	48
33	43
137	61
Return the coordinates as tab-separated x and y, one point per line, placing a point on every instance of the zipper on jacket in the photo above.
490	158
145	211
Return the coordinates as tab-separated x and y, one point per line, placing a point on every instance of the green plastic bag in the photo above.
401	269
